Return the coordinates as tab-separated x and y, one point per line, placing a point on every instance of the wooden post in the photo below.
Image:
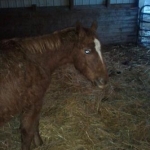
71	4
137	3
107	3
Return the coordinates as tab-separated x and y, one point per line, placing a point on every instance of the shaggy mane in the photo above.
41	44
47	42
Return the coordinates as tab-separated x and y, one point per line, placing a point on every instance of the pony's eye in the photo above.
88	51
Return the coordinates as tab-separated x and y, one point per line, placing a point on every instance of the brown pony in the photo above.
26	66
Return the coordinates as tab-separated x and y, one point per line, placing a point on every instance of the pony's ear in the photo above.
94	26
79	29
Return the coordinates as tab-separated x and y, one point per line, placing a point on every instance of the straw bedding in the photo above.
78	116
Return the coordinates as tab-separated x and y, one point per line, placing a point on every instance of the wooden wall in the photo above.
47	3
122	1
28	3
116	24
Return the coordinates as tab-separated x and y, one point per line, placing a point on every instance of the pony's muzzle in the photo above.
101	82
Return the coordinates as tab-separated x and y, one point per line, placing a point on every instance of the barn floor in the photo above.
79	116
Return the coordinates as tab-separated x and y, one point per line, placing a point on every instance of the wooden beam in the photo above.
71	4
107	3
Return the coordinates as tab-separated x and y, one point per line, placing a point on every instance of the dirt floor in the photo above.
78	116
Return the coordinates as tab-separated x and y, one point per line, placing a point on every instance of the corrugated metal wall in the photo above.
42	3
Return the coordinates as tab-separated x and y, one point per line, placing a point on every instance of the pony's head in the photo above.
88	57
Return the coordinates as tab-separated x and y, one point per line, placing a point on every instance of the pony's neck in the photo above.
60	57
64	53
51	51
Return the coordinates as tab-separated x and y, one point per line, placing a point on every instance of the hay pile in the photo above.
78	116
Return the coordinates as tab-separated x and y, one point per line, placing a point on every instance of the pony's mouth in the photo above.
101	83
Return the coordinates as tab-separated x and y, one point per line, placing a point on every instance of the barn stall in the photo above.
77	115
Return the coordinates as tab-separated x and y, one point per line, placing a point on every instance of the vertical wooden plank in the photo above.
62	2
54	2
113	1
125	1
92	2
42	3
9	3
133	1
4	4
46	1
78	2
107	3
136	3
86	2
29	3
100	1
75	2
25	3
38	3
122	1
66	2
20	3
50	3
57	3
71	4
16	3
34	2
13	3
119	1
